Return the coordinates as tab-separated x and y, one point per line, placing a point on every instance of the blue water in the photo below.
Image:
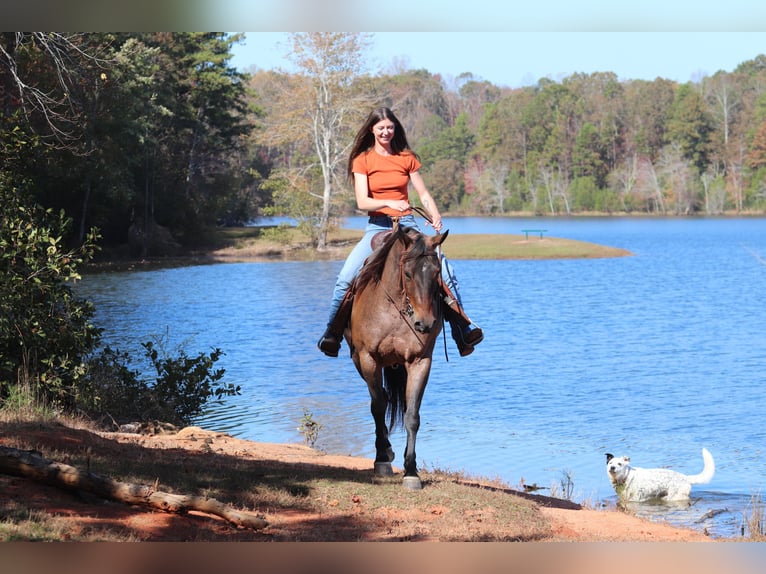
654	356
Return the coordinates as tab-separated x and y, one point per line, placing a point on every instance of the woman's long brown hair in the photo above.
365	139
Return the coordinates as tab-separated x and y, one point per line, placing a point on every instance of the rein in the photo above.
423	213
427	216
405	308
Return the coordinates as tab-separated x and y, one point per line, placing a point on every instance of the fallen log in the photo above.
32	465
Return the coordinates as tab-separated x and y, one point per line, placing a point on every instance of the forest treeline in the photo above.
152	138
145	142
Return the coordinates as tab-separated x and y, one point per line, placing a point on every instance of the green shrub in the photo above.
45	331
179	392
47	339
184	384
278	234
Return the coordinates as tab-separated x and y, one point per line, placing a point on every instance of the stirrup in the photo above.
472	335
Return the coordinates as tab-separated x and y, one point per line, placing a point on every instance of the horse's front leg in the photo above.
384	454
417	378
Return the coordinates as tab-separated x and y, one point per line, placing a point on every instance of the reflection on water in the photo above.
653	356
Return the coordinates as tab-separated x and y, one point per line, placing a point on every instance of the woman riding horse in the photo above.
382	165
395	320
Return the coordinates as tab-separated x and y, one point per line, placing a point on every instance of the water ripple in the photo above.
654	355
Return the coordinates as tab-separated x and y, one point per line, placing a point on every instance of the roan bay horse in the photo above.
395	319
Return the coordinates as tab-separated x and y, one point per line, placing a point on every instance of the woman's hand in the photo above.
399	205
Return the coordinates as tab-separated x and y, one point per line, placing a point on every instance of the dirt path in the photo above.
79	514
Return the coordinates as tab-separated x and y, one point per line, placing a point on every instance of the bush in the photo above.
45	331
183	386
47	339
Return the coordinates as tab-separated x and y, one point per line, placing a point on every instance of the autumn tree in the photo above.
320	108
756	159
446	157
647	106
471	96
419	100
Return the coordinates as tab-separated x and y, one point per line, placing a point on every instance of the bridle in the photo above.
404	307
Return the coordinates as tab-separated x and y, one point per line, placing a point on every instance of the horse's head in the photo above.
420	276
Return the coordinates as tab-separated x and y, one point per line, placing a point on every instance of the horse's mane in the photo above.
373	268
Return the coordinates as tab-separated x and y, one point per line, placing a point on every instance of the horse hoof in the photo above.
383	469
412	483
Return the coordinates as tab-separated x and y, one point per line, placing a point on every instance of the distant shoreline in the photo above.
251	248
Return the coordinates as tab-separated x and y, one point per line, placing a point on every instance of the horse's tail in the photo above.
395	383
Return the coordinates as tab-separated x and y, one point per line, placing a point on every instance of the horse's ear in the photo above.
439	238
407	234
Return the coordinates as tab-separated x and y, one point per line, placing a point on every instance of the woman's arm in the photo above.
426	200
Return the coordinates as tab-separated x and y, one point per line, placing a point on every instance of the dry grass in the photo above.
755	520
235	244
491	246
244	245
302	502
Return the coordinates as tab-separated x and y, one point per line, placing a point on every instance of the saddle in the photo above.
342	316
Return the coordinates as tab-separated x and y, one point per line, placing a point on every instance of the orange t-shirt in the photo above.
387	176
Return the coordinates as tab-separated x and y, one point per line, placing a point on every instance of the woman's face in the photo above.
384	132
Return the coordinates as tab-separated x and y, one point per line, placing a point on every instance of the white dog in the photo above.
634	484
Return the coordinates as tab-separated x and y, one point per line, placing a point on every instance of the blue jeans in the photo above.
362	251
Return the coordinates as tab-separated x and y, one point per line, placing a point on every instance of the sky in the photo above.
391	15
515	59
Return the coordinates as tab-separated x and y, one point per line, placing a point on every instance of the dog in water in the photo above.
634	484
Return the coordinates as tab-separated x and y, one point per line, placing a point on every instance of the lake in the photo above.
655	356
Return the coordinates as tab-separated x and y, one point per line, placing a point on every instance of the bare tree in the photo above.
625	178
44	100
677	172
735	173
556	186
498	174
724	101
648	186
714	186
326	104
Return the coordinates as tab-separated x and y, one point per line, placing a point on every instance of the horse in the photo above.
395	320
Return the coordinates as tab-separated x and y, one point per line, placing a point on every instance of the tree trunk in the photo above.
28	464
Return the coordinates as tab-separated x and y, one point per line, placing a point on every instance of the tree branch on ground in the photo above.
31	465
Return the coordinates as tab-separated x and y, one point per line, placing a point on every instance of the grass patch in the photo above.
280	244
301	501
754	526
249	243
493	246
285	243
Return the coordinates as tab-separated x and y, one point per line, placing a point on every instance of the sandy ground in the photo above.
144	524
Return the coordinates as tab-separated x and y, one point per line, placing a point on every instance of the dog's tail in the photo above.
707	472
